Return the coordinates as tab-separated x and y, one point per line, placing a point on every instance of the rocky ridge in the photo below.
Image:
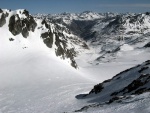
106	33
55	36
134	81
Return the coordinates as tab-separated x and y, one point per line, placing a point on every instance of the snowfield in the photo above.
34	80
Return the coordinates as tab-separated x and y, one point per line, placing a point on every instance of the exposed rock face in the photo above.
64	52
3	18
1	10
48	38
18	25
15	26
61	41
26	13
25	32
147	45
97	89
45	23
54	35
31	24
11	39
60	51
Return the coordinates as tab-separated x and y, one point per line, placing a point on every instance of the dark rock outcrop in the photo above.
64	52
48	38
11	39
15	25
31	25
45	23
26	13
3	18
26	23
97	88
1	11
25	32
61	49
147	45
18	25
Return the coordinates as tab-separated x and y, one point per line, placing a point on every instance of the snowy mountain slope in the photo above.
121	33
104	23
107	34
116	43
21	24
118	90
124	24
79	23
131	104
32	78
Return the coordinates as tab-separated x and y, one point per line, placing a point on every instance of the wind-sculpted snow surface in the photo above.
126	88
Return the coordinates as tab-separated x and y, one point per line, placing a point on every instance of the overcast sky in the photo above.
59	6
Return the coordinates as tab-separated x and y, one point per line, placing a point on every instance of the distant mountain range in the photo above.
111	36
109	32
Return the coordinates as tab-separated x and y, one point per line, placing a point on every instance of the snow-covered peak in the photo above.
89	15
56	37
108	33
68	17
